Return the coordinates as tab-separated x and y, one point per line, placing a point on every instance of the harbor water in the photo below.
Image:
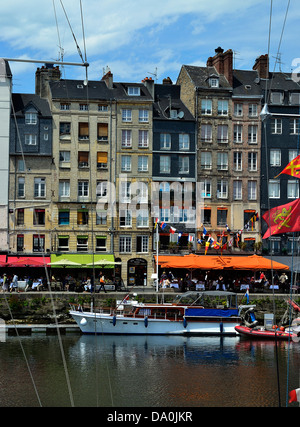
127	371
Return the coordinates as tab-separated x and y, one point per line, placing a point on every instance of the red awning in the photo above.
14	261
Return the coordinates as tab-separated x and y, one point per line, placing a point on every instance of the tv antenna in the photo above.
154	74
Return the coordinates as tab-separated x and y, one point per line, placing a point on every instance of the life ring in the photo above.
146	321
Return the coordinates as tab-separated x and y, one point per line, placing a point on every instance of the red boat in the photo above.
264	333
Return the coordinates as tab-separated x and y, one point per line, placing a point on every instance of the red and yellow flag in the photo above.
293	168
283	219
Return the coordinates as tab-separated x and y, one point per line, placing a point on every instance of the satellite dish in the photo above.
180	115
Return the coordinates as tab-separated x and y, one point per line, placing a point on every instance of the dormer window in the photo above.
134	91
31	118
213	81
295	98
276	97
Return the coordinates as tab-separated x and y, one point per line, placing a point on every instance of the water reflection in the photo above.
146	371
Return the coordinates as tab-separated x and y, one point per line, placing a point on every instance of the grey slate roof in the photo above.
200	76
96	90
22	100
246	83
166	95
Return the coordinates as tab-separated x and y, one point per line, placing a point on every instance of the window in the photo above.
63	243
101	160
274	245
214	82
38	243
292	189
237	190
101	244
223	108
206	187
31	118
83	188
143	163
125	196
292	154
82	217
134	91
183	162
252	110
206	216
275	157
64	159
142	218
64	106
102	132
125	244
237	161
222	133
222	189
20	242
126	138
64	217
222	162
39	217
206	160
20	216
65	130
164	214
221	216
274	189
252	134
125	218
206	106
39	187
143	116
295	98
102	107
237	133
82	244
184	141
206	133
83	159
276	97
64	188
165	141
21	187
83	131
127	115
83	107
165	164
101	217
143	139
252	161
126	163
30	139
252	190
238	110
276	126
101	189
21	165
142	244
294	126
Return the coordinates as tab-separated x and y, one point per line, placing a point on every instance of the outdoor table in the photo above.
199	286
22	285
274	287
244	287
174	285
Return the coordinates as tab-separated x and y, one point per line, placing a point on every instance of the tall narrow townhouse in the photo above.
245	159
174	170
133	225
5	108
83	161
31	187
280	145
207	92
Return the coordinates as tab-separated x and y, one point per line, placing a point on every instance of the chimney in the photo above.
223	63
43	77
167	81
149	84
262	66
108	78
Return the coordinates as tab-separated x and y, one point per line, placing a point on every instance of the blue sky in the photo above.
136	38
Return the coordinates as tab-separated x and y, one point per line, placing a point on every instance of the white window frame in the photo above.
83	188
142	163
30	139
165	141
206	160
222	189
21	187
206	107
144	244
293	189
126	115
165	164
183	164
238	133
274	189
252	161
222	161
206	132
143	139
134	91
206	187
184	141
223	106
64	188
125	244
126	138
252	110
294	126
31	118
39	187
125	218
275	157
237	189
252	190
143	116
276	126
252	134
238	109
126	163
222	134
238	160
142	218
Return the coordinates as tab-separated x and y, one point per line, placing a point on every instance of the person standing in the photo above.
102	282
5	283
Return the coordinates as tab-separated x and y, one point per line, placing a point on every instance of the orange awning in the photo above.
208	262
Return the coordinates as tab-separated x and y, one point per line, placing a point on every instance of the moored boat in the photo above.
192	313
263	333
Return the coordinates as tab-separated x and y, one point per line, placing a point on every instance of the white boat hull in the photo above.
95	323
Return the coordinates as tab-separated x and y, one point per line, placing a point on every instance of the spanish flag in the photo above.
283	219
293	168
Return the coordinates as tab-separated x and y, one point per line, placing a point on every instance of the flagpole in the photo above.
156	257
